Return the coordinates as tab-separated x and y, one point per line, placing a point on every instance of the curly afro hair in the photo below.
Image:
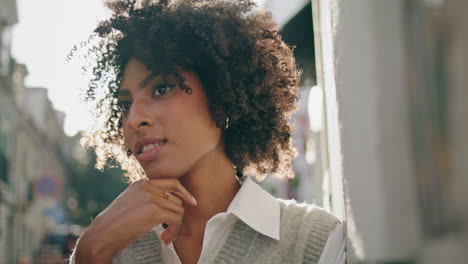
249	75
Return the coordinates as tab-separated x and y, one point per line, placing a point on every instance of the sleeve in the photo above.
335	248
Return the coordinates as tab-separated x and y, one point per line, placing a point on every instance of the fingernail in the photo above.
194	201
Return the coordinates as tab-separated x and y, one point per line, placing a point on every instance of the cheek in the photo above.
127	137
195	125
125	133
204	133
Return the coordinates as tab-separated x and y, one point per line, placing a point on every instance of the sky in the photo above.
47	30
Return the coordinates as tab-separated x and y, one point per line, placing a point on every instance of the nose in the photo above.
138	116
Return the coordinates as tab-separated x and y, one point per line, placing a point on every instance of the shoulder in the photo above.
306	214
307	226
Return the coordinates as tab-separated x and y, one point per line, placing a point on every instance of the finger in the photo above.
171	204
160	198
173	186
170	234
173	221
167	237
175	199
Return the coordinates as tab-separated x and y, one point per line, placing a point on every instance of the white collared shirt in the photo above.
259	210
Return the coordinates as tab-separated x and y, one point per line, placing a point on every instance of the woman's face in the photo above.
167	130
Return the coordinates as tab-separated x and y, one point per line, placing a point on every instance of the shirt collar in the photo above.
257	209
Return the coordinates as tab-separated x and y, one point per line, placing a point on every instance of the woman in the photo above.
197	96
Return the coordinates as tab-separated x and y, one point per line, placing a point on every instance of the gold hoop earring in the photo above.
227	123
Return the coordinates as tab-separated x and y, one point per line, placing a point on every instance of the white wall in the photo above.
363	69
282	10
458	60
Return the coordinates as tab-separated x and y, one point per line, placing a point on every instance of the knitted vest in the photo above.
304	232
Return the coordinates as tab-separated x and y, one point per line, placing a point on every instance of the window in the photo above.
5	44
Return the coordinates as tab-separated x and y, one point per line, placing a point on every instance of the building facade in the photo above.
392	74
391	162
33	152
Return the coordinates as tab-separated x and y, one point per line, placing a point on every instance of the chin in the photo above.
163	172
156	176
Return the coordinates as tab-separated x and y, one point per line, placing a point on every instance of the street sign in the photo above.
46	186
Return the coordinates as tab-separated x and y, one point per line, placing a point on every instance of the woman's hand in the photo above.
143	205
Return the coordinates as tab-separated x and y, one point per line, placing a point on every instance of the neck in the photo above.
213	183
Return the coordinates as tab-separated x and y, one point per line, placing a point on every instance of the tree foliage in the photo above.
94	189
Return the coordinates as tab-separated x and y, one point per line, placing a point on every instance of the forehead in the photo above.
135	72
137	75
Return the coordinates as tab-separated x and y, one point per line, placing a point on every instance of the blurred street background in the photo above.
381	129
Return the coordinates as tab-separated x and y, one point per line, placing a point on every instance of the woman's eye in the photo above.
124	106
163	89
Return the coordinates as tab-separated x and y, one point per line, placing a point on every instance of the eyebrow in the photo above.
148	79
121	92
143	84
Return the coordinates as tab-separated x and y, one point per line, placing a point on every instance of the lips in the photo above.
147	141
148	148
